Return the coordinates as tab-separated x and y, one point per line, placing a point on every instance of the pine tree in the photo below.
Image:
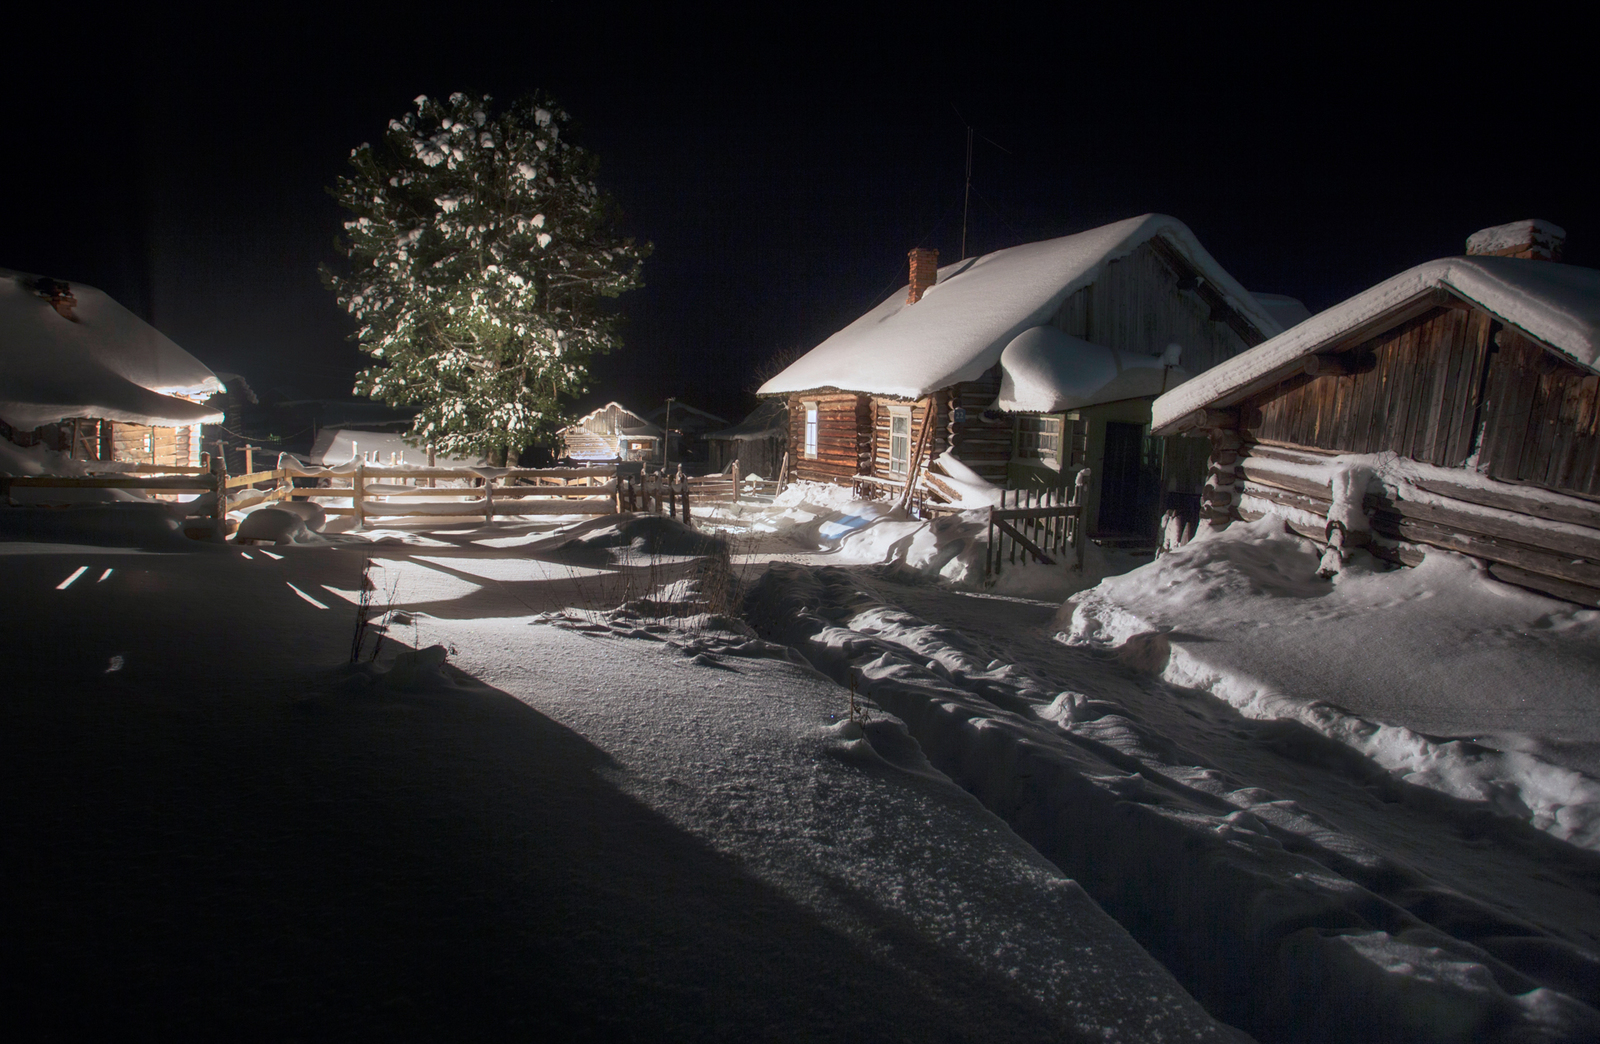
480	254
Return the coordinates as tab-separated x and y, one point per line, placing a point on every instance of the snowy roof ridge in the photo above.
648	430
963	322
1556	304
104	362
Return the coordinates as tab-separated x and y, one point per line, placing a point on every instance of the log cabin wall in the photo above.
982	444
143	444
1136	306
1543	541
1450	388
1442	387
844	436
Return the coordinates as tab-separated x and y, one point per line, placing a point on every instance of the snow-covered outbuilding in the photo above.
613	432
758	442
342	445
1456	405
1027	364
83	373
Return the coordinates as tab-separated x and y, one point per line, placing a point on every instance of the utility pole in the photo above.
666	436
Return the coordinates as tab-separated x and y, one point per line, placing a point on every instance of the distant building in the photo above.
613	432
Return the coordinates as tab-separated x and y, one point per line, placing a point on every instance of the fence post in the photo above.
430	464
359	493
684	484
219	471
488	500
736	480
616	480
1080	493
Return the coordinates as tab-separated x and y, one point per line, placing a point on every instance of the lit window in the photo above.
900	441
811	430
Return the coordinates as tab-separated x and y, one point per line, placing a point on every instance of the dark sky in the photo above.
783	168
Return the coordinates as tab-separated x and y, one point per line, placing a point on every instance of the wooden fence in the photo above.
1042	524
160	479
376	491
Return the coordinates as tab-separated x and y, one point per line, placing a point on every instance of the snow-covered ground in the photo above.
661	821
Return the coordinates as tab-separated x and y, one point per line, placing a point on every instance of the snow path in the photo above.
601	830
1238	852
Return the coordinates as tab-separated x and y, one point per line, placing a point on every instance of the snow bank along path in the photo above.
585	824
1496	685
1281	920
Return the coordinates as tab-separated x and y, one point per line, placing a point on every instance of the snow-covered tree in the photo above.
480	254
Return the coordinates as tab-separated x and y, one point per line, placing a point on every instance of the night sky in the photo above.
783	169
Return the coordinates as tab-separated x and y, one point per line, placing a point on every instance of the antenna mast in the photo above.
966	199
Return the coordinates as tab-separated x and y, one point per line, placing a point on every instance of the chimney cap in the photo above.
1530	238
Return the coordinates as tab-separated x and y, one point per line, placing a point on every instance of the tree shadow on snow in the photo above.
189	856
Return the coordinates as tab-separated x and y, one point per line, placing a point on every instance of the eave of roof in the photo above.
1557	305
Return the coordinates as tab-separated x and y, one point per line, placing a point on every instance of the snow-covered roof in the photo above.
1288	311
1044	370
963	322
643	430
1556	304
338	445
768	419
104	362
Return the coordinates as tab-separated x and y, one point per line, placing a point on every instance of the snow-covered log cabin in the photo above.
83	375
1452	406
613	432
1026	365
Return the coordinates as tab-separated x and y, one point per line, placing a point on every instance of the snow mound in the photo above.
642	534
1446	678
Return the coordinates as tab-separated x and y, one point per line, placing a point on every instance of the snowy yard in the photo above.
660	821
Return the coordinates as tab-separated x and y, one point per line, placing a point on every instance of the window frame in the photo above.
812	421
899	465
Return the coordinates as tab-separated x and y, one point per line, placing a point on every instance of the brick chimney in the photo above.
924	273
59	295
1535	239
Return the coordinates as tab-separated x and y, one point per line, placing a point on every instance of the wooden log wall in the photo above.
1542	422
984	445
844	436
170	445
1440	388
1136	306
1415	392
1500	524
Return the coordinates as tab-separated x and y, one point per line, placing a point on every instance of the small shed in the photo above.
611	433
84	375
1456	405
758	442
